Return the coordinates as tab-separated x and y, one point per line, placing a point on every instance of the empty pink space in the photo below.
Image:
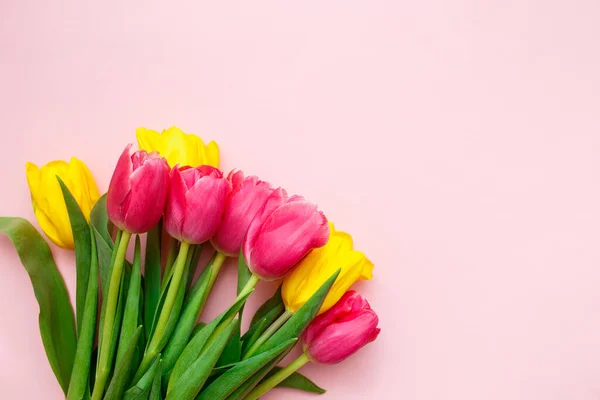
457	142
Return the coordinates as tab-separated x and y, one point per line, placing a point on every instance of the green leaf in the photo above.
83	249
132	303
156	392
227	383
104	242
99	219
299	321
193	379
244	273
275	302
263	318
123	370
152	277
186	322
233	351
252	335
141	390
57	324
197	343
251	382
79	385
194	259
297	381
105	288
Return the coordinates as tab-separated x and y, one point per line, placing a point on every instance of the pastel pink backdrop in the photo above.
457	141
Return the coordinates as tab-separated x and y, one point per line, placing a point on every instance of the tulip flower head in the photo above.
196	203
137	191
47	197
283	232
178	147
341	331
308	276
247	197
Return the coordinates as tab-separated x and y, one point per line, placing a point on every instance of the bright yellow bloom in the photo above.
179	147
319	265
48	201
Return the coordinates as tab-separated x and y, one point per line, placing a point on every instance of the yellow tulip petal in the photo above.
148	139
367	270
212	154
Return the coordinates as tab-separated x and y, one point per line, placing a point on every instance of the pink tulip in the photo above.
341	331
245	200
195	203
282	233
138	190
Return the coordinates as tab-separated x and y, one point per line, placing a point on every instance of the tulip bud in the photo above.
283	232
314	269
137	191
47	198
243	203
177	147
196	203
339	332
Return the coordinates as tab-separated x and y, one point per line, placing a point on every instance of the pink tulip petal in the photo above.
119	186
176	205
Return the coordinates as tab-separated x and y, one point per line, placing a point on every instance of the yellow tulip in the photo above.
177	147
319	265
47	198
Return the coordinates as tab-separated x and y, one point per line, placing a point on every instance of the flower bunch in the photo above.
136	335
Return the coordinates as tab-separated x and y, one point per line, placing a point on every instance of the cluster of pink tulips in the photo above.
146	342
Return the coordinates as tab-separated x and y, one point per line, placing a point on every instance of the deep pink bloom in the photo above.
137	191
282	233
248	196
195	203
340	331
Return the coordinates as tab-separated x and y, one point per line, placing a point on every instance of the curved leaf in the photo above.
236	376
297	381
141	390
57	324
79	385
123	370
83	249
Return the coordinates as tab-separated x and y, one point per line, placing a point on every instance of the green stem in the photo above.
277	378
268	333
109	318
157	337
215	267
172	253
248	287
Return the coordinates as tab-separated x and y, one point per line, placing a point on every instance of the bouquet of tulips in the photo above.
135	332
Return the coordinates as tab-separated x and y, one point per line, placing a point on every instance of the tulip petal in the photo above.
119	187
302	226
340	340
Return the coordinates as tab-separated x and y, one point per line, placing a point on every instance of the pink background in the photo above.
457	141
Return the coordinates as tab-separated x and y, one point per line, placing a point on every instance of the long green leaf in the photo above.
299	321
79	385
192	381
141	390
132	307
156	392
99	219
297	381
83	249
197	343
123	369
251	382
152	277
227	383
194	260
57	324
186	322
275	302
104	243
